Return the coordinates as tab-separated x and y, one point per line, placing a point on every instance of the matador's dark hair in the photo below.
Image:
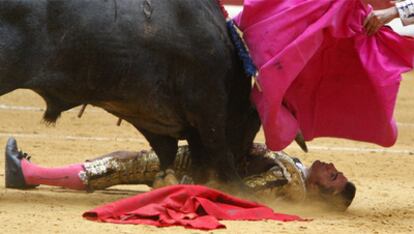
339	201
348	194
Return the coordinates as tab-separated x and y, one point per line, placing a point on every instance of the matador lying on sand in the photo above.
267	173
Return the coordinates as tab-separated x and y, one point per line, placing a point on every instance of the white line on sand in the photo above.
364	150
71	138
39	109
409	125
121	139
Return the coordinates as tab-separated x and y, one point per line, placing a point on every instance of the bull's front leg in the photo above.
218	154
166	148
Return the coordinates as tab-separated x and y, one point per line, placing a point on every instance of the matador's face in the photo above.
325	175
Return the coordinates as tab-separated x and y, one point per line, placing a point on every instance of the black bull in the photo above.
168	67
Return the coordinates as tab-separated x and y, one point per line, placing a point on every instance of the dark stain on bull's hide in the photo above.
115	10
147	8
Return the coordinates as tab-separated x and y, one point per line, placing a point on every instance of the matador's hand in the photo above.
378	18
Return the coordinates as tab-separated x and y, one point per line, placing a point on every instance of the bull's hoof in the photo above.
158	180
170	178
13	167
163	179
186	180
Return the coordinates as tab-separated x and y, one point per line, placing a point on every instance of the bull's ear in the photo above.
13	11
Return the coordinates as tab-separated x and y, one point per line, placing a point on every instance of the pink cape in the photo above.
191	206
320	73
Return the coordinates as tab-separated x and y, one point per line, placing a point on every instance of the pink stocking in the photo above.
67	176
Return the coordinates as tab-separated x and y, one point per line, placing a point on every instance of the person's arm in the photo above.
406	11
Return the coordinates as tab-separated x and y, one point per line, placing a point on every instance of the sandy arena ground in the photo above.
384	202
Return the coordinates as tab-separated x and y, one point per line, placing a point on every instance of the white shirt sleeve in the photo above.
406	11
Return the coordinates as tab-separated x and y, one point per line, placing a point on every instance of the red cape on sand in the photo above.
320	72
191	206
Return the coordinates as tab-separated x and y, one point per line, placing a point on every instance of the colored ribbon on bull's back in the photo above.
191	206
321	73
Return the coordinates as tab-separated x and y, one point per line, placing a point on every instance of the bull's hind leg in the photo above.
166	149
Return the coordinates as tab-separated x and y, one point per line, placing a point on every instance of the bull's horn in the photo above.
82	110
300	140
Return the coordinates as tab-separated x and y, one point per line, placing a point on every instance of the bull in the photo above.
168	67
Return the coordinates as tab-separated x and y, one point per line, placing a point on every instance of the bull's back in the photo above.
138	31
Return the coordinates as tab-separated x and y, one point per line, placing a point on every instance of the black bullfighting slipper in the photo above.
13	166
